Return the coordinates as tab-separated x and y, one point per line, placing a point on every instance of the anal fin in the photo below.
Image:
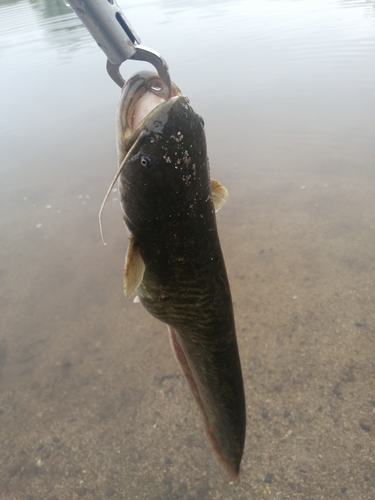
186	370
184	365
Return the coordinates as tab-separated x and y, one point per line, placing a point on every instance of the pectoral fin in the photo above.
134	268
219	194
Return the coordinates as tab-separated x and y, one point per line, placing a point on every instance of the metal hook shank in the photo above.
114	35
108	26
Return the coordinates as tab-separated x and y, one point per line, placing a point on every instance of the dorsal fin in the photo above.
219	194
134	268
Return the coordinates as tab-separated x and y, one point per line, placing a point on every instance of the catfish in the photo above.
174	261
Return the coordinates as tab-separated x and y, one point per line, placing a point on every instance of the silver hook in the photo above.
115	36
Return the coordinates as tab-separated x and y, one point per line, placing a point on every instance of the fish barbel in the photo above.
174	260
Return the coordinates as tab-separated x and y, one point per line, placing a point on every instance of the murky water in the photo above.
92	403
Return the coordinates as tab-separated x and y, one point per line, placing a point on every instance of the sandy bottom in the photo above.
92	402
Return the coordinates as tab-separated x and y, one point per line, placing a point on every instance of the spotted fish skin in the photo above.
167	201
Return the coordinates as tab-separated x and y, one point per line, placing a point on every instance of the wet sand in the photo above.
93	404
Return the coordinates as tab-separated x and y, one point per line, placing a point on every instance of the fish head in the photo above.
141	94
163	149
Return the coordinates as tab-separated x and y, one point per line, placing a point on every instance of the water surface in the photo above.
92	403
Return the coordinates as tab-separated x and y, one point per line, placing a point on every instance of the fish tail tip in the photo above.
234	471
230	461
231	466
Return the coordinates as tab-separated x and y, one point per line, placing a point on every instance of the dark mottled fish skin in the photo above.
168	209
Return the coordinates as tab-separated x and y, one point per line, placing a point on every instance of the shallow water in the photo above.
92	403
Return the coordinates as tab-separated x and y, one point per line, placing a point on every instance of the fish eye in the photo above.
146	161
201	120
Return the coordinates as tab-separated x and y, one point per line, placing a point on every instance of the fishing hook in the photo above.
113	33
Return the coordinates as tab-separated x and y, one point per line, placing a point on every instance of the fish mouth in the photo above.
143	103
139	98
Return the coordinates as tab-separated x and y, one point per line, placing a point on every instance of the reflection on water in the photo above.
49	9
92	403
24	19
